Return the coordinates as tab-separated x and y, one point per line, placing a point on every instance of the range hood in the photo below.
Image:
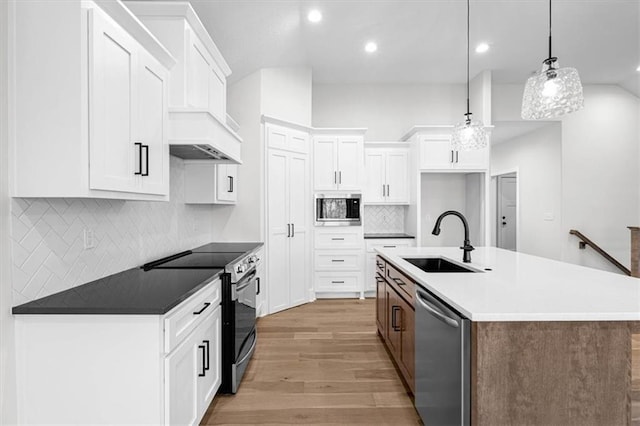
196	134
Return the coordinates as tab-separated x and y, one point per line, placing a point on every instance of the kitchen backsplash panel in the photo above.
383	219
47	237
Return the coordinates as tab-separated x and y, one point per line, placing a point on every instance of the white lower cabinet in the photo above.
370	254
120	369
338	262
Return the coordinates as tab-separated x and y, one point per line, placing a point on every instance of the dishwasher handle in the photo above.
434	310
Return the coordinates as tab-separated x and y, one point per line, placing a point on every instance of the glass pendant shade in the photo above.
468	135
552	93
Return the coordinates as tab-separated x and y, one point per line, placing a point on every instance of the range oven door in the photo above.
245	339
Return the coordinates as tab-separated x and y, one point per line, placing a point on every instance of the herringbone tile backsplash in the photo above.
47	237
383	219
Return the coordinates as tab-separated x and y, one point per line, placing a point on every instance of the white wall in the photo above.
538	157
600	169
7	343
600	174
243	222
286	94
388	111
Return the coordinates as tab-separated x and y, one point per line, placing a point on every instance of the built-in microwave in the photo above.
338	210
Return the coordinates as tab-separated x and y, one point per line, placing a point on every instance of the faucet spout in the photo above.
466	246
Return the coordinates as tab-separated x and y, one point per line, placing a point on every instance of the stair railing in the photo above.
587	242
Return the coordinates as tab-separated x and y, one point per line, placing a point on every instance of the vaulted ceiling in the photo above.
423	41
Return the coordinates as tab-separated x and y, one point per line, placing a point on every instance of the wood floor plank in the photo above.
320	363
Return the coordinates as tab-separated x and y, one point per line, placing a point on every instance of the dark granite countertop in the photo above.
385	236
135	291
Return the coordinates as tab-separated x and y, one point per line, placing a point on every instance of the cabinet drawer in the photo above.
337	282
401	283
338	240
185	317
371	245
331	260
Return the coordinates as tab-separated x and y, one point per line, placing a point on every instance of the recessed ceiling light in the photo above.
314	16
370	47
638	69
482	47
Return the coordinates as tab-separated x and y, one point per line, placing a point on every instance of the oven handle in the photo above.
247	279
253	347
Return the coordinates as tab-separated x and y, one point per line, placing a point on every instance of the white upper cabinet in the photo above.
387	174
208	182
436	153
286	136
94	124
338	161
198	126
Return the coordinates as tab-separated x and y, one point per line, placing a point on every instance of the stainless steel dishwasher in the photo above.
443	358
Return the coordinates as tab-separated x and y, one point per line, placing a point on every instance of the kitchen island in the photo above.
550	342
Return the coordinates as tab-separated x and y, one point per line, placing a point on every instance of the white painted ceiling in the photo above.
423	41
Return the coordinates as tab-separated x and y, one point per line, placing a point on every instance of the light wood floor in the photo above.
320	363
635	379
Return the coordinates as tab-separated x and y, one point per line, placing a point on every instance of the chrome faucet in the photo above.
467	247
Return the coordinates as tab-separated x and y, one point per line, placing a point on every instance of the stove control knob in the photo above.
253	259
240	269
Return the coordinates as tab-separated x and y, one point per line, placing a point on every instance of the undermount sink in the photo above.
437	264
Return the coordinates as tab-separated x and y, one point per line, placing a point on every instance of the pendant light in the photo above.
554	91
468	134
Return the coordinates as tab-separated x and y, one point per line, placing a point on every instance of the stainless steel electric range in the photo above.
240	286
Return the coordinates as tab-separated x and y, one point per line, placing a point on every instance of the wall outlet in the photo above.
89	239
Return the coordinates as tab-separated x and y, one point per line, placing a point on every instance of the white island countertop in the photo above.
521	287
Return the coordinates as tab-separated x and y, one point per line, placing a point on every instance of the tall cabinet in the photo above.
288	213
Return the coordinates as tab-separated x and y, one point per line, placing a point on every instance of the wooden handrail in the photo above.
587	242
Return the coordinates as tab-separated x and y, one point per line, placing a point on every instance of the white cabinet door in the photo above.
436	153
298	141
349	161
299	239
278	229
472	160
227	182
325	167
397	174
199	71
374	188
112	98
181	382
151	121
211	354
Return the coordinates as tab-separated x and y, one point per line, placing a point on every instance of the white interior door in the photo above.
507	208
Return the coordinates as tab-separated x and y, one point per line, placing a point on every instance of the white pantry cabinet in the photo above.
95	123
121	369
387	173
288	214
209	182
338	162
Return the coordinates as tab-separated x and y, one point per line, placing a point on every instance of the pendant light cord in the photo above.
468	25
550	29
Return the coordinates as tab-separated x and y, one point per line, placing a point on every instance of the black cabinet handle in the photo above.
456	156
337	239
293	230
146	161
337	282
388	193
337	260
389	246
206	365
257	286
139	145
398	281
383	190
339	177
452	156
394	309
230	184
288	230
204	354
206	305
379	265
335	177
